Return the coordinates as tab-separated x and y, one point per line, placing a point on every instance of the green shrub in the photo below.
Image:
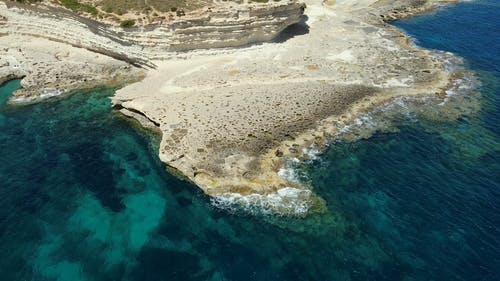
74	5
70	4
127	23
89	9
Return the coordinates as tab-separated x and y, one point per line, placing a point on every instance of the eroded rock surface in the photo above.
37	38
232	118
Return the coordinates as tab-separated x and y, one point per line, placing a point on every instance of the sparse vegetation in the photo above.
163	6
127	23
28	1
79	7
128	13
119	7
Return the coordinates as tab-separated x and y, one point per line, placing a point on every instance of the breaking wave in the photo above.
288	201
298	202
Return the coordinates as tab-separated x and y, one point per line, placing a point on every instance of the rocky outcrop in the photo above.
49	67
244	24
391	11
215	27
233	121
60	25
10	69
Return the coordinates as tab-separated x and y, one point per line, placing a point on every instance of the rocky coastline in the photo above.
232	118
122	55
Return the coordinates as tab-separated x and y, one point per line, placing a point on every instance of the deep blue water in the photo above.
83	195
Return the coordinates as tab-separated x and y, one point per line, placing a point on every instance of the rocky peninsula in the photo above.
231	118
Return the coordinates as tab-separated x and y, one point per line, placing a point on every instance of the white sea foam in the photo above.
363	122
408	108
291	201
289	174
311	153
288	201
51	92
460	86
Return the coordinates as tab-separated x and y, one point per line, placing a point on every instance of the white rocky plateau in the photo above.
231	118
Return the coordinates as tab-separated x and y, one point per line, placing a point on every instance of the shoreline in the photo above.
248	171
297	94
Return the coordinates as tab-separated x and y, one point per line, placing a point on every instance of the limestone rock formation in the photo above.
219	26
231	120
10	69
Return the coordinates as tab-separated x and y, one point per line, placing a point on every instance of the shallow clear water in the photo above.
83	195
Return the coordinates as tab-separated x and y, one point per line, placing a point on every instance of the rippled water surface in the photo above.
83	195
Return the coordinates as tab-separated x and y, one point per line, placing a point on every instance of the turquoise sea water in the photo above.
83	195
